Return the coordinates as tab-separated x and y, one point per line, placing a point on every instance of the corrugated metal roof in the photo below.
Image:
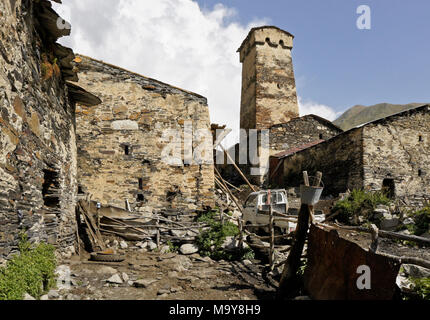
291	151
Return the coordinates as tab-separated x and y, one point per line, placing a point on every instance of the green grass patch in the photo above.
32	271
359	202
210	241
422	288
421	221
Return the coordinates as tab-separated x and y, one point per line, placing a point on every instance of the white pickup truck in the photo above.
256	212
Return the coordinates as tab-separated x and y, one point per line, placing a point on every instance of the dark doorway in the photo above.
389	188
51	188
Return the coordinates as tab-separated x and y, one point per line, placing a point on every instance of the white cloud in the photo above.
173	41
311	107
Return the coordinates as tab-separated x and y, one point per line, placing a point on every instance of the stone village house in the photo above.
57	139
391	153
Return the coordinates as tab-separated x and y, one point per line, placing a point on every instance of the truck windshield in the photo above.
276	198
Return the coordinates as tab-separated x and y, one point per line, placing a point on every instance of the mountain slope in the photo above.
359	114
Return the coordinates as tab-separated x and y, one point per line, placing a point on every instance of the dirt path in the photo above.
168	276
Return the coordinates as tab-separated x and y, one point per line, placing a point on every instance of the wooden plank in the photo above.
289	274
306	178
318	179
272	238
237	169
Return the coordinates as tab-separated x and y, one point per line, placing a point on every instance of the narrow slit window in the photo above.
126	150
80	190
321	136
140	184
420	138
420	173
51	188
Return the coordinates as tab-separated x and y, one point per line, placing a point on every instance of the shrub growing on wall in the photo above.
359	202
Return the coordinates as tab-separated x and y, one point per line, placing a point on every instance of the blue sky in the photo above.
337	64
192	44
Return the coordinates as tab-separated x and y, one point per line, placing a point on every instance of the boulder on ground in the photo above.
115	279
188	248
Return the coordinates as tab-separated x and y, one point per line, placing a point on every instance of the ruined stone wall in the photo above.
268	85
37	135
340	159
398	148
131	119
300	131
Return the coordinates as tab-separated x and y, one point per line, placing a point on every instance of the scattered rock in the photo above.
106	270
142	245
152	245
164	249
143	283
379	213
175	289
123	245
302	298
231	244
408	221
27	297
115	279
416	271
188	248
247	262
44	297
389	224
53	294
382	207
178	233
125	277
404	283
172	274
163	291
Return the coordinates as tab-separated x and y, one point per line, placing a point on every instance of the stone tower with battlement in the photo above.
268	85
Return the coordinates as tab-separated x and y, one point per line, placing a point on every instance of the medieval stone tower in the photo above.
268	85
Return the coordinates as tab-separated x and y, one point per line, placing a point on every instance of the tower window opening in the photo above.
127	150
140	184
420	138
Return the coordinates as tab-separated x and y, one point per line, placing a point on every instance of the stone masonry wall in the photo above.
398	148
300	131
131	119
340	159
37	135
268	85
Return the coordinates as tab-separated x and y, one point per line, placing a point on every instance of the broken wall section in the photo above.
37	135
